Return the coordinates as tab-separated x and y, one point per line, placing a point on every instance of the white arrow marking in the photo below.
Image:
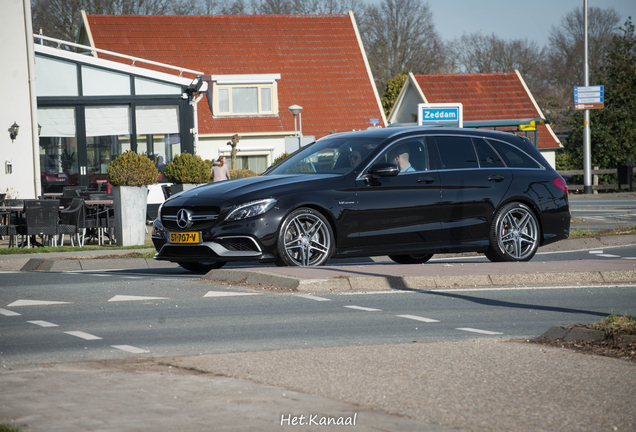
227	294
130	349
35	303
8	313
478	331
43	323
418	318
135	298
83	335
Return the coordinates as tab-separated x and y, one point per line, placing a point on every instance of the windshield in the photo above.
327	156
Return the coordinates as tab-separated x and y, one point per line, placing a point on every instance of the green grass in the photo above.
616	325
4	250
579	233
7	428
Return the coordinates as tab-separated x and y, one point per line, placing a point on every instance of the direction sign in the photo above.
590	97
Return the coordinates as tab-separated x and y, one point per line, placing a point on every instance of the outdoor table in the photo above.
98	207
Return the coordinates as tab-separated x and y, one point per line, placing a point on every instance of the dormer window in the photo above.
244	95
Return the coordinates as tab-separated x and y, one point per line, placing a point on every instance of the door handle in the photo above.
496	178
426	180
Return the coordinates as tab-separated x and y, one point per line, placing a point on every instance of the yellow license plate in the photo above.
184	237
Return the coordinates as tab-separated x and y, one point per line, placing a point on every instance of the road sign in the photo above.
374	121
590	97
442	114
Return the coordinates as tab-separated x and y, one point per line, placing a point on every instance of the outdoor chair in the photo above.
70	221
40	219
11	231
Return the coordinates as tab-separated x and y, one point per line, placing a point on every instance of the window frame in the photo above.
231	82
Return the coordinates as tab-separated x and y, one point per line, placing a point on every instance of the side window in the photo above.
513	157
488	158
456	152
409	155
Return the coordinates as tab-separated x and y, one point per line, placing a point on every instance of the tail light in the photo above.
560	183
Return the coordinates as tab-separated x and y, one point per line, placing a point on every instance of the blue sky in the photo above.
513	19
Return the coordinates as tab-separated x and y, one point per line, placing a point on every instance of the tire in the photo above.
305	239
411	259
514	234
202	267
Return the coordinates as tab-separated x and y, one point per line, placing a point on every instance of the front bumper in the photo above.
235	243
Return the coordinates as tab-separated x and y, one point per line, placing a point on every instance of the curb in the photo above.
385	283
40	264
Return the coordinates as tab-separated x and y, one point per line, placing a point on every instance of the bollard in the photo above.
625	174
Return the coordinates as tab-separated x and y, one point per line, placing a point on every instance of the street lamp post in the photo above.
295	110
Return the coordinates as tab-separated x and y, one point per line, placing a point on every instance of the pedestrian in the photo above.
220	170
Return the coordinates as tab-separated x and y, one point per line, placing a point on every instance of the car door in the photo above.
474	180
400	213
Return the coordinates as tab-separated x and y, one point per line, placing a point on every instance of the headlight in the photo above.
250	209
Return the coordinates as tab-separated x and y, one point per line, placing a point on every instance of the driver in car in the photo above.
400	157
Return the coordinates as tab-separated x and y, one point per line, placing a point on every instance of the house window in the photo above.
242	95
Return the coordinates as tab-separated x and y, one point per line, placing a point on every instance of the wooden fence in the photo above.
595	173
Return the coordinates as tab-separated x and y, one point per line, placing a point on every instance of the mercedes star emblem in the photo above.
184	219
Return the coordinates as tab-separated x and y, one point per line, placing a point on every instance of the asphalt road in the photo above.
601	213
96	315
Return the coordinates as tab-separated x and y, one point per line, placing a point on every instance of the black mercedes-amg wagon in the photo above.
403	192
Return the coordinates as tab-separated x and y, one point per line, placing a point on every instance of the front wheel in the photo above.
305	239
411	259
514	234
202	267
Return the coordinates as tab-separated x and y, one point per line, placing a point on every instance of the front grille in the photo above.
240	244
203	218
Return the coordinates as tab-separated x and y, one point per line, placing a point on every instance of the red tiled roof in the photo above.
491	96
318	57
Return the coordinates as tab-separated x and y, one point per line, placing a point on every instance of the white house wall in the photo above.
211	147
15	33
408	107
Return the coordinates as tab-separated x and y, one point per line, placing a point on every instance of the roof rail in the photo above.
60	42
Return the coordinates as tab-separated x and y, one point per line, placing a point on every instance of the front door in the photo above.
401	212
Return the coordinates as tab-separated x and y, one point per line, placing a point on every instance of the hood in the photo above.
240	190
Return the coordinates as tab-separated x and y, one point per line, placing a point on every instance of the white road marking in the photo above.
98	274
629	257
131	277
83	335
596	251
135	298
36	303
6	312
418	318
130	349
310	297
227	294
364	308
468	329
609	255
43	323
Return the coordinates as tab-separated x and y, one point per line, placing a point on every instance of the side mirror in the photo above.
383	169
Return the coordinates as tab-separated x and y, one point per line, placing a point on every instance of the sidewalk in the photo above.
479	385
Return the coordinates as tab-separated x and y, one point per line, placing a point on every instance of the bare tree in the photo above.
62	18
400	37
233	143
565	56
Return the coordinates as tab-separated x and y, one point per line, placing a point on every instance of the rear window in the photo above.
513	157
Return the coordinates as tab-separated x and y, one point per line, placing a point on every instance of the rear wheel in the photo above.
411	259
514	234
305	239
202	267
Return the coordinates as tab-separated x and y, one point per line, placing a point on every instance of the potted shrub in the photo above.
130	174
186	171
